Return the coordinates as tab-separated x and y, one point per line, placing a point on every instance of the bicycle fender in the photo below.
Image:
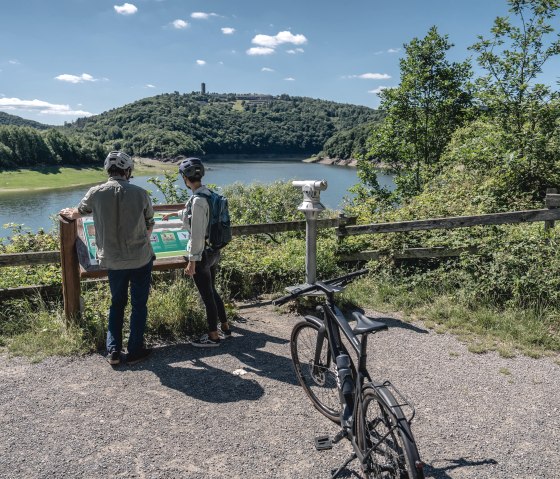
390	401
316	321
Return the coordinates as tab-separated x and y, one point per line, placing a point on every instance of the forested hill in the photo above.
7	119
168	125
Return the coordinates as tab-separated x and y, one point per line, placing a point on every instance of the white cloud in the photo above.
179	24
203	15
266	69
390	50
294	51
149	85
228	30
290	79
14	62
40	106
260	51
200	62
75	78
125	9
379	89
278	39
371	76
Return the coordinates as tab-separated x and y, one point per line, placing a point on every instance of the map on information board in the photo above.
168	238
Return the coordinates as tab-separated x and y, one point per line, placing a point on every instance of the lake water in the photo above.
36	209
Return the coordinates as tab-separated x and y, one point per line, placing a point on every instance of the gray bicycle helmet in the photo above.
191	168
119	159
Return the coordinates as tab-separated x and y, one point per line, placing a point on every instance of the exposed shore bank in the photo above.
333	161
64	177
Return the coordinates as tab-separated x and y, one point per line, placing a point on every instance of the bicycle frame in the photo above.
334	322
353	382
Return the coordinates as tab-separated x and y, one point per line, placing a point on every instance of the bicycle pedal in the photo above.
322	443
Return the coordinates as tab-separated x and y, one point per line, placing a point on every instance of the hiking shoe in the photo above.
206	341
224	333
133	358
114	358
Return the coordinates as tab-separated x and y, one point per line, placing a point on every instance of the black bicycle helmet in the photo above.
191	168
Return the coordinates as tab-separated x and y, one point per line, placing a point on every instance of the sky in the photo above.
65	59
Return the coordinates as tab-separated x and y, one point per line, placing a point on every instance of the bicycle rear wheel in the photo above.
318	378
381	422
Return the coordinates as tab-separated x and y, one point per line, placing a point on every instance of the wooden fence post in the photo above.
70	270
551	201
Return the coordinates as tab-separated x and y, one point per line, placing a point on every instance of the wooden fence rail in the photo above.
345	226
54	257
511	217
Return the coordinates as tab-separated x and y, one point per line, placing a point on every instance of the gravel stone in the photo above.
187	413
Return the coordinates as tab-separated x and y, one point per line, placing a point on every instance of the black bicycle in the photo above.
371	414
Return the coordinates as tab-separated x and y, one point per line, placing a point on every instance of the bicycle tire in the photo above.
397	456
319	383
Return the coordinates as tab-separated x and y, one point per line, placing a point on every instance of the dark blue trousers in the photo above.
139	280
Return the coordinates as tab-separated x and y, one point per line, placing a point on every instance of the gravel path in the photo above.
185	413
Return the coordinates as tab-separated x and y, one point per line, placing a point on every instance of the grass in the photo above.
52	177
509	331
36	329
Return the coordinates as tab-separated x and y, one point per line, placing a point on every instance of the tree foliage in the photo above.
22	146
525	110
431	101
169	125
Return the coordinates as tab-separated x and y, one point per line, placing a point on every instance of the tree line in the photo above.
168	125
442	121
24	146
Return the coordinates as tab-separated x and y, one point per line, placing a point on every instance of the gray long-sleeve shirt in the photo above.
122	214
195	219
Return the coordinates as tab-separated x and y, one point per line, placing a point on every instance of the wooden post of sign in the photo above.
70	270
551	202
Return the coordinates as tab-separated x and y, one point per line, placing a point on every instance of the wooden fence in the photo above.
345	226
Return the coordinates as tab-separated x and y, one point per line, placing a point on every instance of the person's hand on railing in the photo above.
69	214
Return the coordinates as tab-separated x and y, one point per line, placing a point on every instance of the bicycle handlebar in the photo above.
323	286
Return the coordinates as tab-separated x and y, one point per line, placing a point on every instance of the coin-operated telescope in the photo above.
311	206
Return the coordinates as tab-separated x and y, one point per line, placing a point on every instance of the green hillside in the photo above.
13	120
168	125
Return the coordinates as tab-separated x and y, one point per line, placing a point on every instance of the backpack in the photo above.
218	234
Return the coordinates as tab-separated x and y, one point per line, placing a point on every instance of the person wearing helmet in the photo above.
124	218
202	261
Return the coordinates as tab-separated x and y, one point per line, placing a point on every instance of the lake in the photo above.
36	209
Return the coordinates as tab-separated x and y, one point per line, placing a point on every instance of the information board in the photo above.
168	239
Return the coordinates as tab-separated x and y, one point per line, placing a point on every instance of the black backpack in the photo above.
218	234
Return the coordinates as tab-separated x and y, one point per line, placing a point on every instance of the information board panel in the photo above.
168	239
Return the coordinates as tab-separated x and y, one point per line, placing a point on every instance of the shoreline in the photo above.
351	162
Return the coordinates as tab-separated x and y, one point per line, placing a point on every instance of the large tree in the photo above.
528	112
430	103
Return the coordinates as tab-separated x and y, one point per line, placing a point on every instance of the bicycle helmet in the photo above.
119	159
191	168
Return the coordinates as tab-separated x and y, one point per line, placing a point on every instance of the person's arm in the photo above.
166	216
198	227
149	216
84	208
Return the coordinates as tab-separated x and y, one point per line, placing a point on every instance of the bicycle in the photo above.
370	415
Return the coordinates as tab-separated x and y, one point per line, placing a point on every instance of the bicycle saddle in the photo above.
367	325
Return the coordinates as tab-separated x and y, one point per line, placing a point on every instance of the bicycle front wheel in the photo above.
315	369
382	428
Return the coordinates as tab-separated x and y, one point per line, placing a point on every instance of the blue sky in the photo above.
62	59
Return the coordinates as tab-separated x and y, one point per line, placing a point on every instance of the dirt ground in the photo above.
237	412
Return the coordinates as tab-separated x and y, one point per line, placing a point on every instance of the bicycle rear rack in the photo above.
406	406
